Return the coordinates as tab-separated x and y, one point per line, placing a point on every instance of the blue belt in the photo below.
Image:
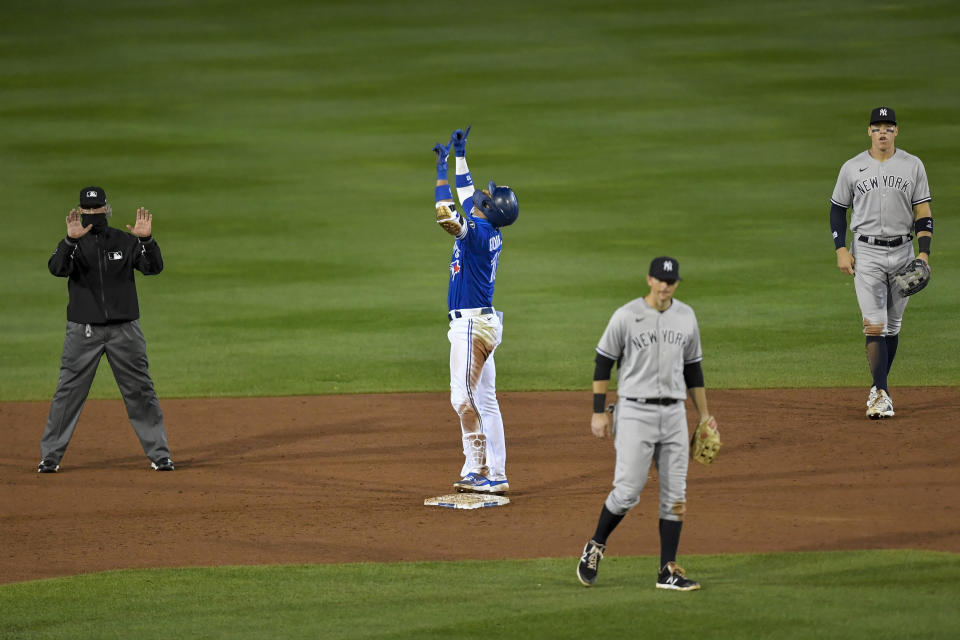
469	313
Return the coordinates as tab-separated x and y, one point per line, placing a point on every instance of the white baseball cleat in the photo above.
472	483
498	486
871	396
478	483
882	406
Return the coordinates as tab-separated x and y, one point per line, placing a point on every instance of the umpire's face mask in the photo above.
98	220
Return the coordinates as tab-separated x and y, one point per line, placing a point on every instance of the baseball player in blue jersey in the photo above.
655	341
475	326
888	191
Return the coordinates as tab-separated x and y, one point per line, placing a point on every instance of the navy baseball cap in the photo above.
883	114
92	198
665	268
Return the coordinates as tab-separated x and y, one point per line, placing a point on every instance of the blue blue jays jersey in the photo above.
473	266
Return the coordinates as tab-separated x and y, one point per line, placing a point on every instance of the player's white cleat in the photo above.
871	396
478	483
472	483
498	486
881	408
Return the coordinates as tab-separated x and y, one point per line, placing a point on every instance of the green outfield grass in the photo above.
869	594
284	149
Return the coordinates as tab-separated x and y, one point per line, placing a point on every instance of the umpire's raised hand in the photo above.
144	225
75	228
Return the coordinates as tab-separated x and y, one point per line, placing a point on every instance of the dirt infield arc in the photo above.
343	479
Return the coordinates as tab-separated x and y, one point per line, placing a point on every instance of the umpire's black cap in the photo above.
665	268
92	198
883	114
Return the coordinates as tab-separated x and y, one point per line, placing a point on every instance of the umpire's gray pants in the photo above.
126	350
648	433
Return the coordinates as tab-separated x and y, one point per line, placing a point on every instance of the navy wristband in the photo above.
599	402
442	193
923	243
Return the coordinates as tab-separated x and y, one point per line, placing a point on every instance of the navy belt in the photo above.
469	313
884	243
654	400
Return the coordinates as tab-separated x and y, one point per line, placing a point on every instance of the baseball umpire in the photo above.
655	341
475	326
890	196
103	318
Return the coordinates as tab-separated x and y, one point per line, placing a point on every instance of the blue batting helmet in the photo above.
500	207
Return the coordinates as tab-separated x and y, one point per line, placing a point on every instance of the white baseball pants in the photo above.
473	393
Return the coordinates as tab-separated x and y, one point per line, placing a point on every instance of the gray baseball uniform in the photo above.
651	348
882	195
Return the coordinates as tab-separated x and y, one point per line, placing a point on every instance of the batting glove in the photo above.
459	141
443	152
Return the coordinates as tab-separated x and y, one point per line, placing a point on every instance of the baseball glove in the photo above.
705	443
912	277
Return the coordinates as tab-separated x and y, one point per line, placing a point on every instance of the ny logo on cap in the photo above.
91	194
667	265
883	112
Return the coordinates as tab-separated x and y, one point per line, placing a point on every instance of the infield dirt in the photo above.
343	479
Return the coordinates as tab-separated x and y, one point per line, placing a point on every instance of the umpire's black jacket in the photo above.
100	271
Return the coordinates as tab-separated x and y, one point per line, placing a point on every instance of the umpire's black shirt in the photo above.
100	268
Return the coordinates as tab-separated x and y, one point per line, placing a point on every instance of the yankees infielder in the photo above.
103	318
888	190
655	342
475	326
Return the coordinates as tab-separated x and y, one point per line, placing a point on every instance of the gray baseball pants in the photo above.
881	304
126	350
648	433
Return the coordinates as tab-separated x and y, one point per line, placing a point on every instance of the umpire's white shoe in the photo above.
673	577
872	396
882	406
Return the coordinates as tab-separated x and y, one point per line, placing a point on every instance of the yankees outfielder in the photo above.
655	342
888	191
475	326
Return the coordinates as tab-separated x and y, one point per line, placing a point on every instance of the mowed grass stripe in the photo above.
284	150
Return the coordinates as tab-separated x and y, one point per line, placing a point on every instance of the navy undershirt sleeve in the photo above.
693	375
603	368
838	224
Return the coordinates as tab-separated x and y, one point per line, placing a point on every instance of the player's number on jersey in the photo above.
493	266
